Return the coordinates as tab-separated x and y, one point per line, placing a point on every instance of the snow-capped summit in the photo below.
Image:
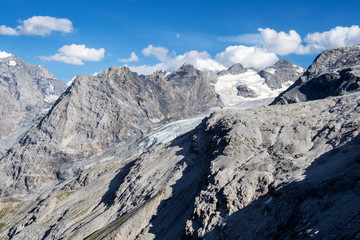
238	84
4	54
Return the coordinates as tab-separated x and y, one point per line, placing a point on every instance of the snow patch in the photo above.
51	98
170	131
4	54
226	87
71	81
300	70
12	63
270	70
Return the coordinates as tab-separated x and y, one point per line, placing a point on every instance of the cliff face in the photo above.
25	92
333	73
94	114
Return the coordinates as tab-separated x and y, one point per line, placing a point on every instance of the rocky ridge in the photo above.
333	73
26	92
94	114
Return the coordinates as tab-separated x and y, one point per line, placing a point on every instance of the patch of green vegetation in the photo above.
8	206
2	225
64	195
11	201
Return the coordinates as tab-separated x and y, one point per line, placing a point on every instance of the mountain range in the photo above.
183	155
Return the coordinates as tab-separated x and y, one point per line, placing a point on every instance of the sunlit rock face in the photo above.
96	112
334	72
26	91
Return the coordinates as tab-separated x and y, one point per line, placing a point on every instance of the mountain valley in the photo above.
183	155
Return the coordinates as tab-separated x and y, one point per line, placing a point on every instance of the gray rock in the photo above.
235	69
96	113
288	171
333	73
273	172
246	92
280	73
25	92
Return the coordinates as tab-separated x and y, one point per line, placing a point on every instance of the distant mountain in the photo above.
281	73
238	84
25	92
113	107
333	73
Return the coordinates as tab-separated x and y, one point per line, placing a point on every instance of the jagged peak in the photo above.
283	62
236	66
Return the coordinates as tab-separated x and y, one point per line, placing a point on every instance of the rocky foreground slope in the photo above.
289	171
274	172
25	92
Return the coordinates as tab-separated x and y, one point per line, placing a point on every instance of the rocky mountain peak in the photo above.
99	112
235	69
25	91
334	72
282	63
186	71
334	60
282	72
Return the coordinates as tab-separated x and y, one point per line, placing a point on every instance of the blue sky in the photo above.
83	37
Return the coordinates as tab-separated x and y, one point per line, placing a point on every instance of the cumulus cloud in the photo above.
39	25
282	43
132	58
4	30
247	56
266	46
200	60
336	37
159	53
76	54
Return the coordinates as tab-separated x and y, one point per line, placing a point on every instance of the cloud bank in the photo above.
76	54
267	45
39	25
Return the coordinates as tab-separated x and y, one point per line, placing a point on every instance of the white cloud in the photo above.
200	60
4	30
39	25
160	53
76	54
252	38
247	56
282	43
336	37
269	44
4	54
132	58
177	35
